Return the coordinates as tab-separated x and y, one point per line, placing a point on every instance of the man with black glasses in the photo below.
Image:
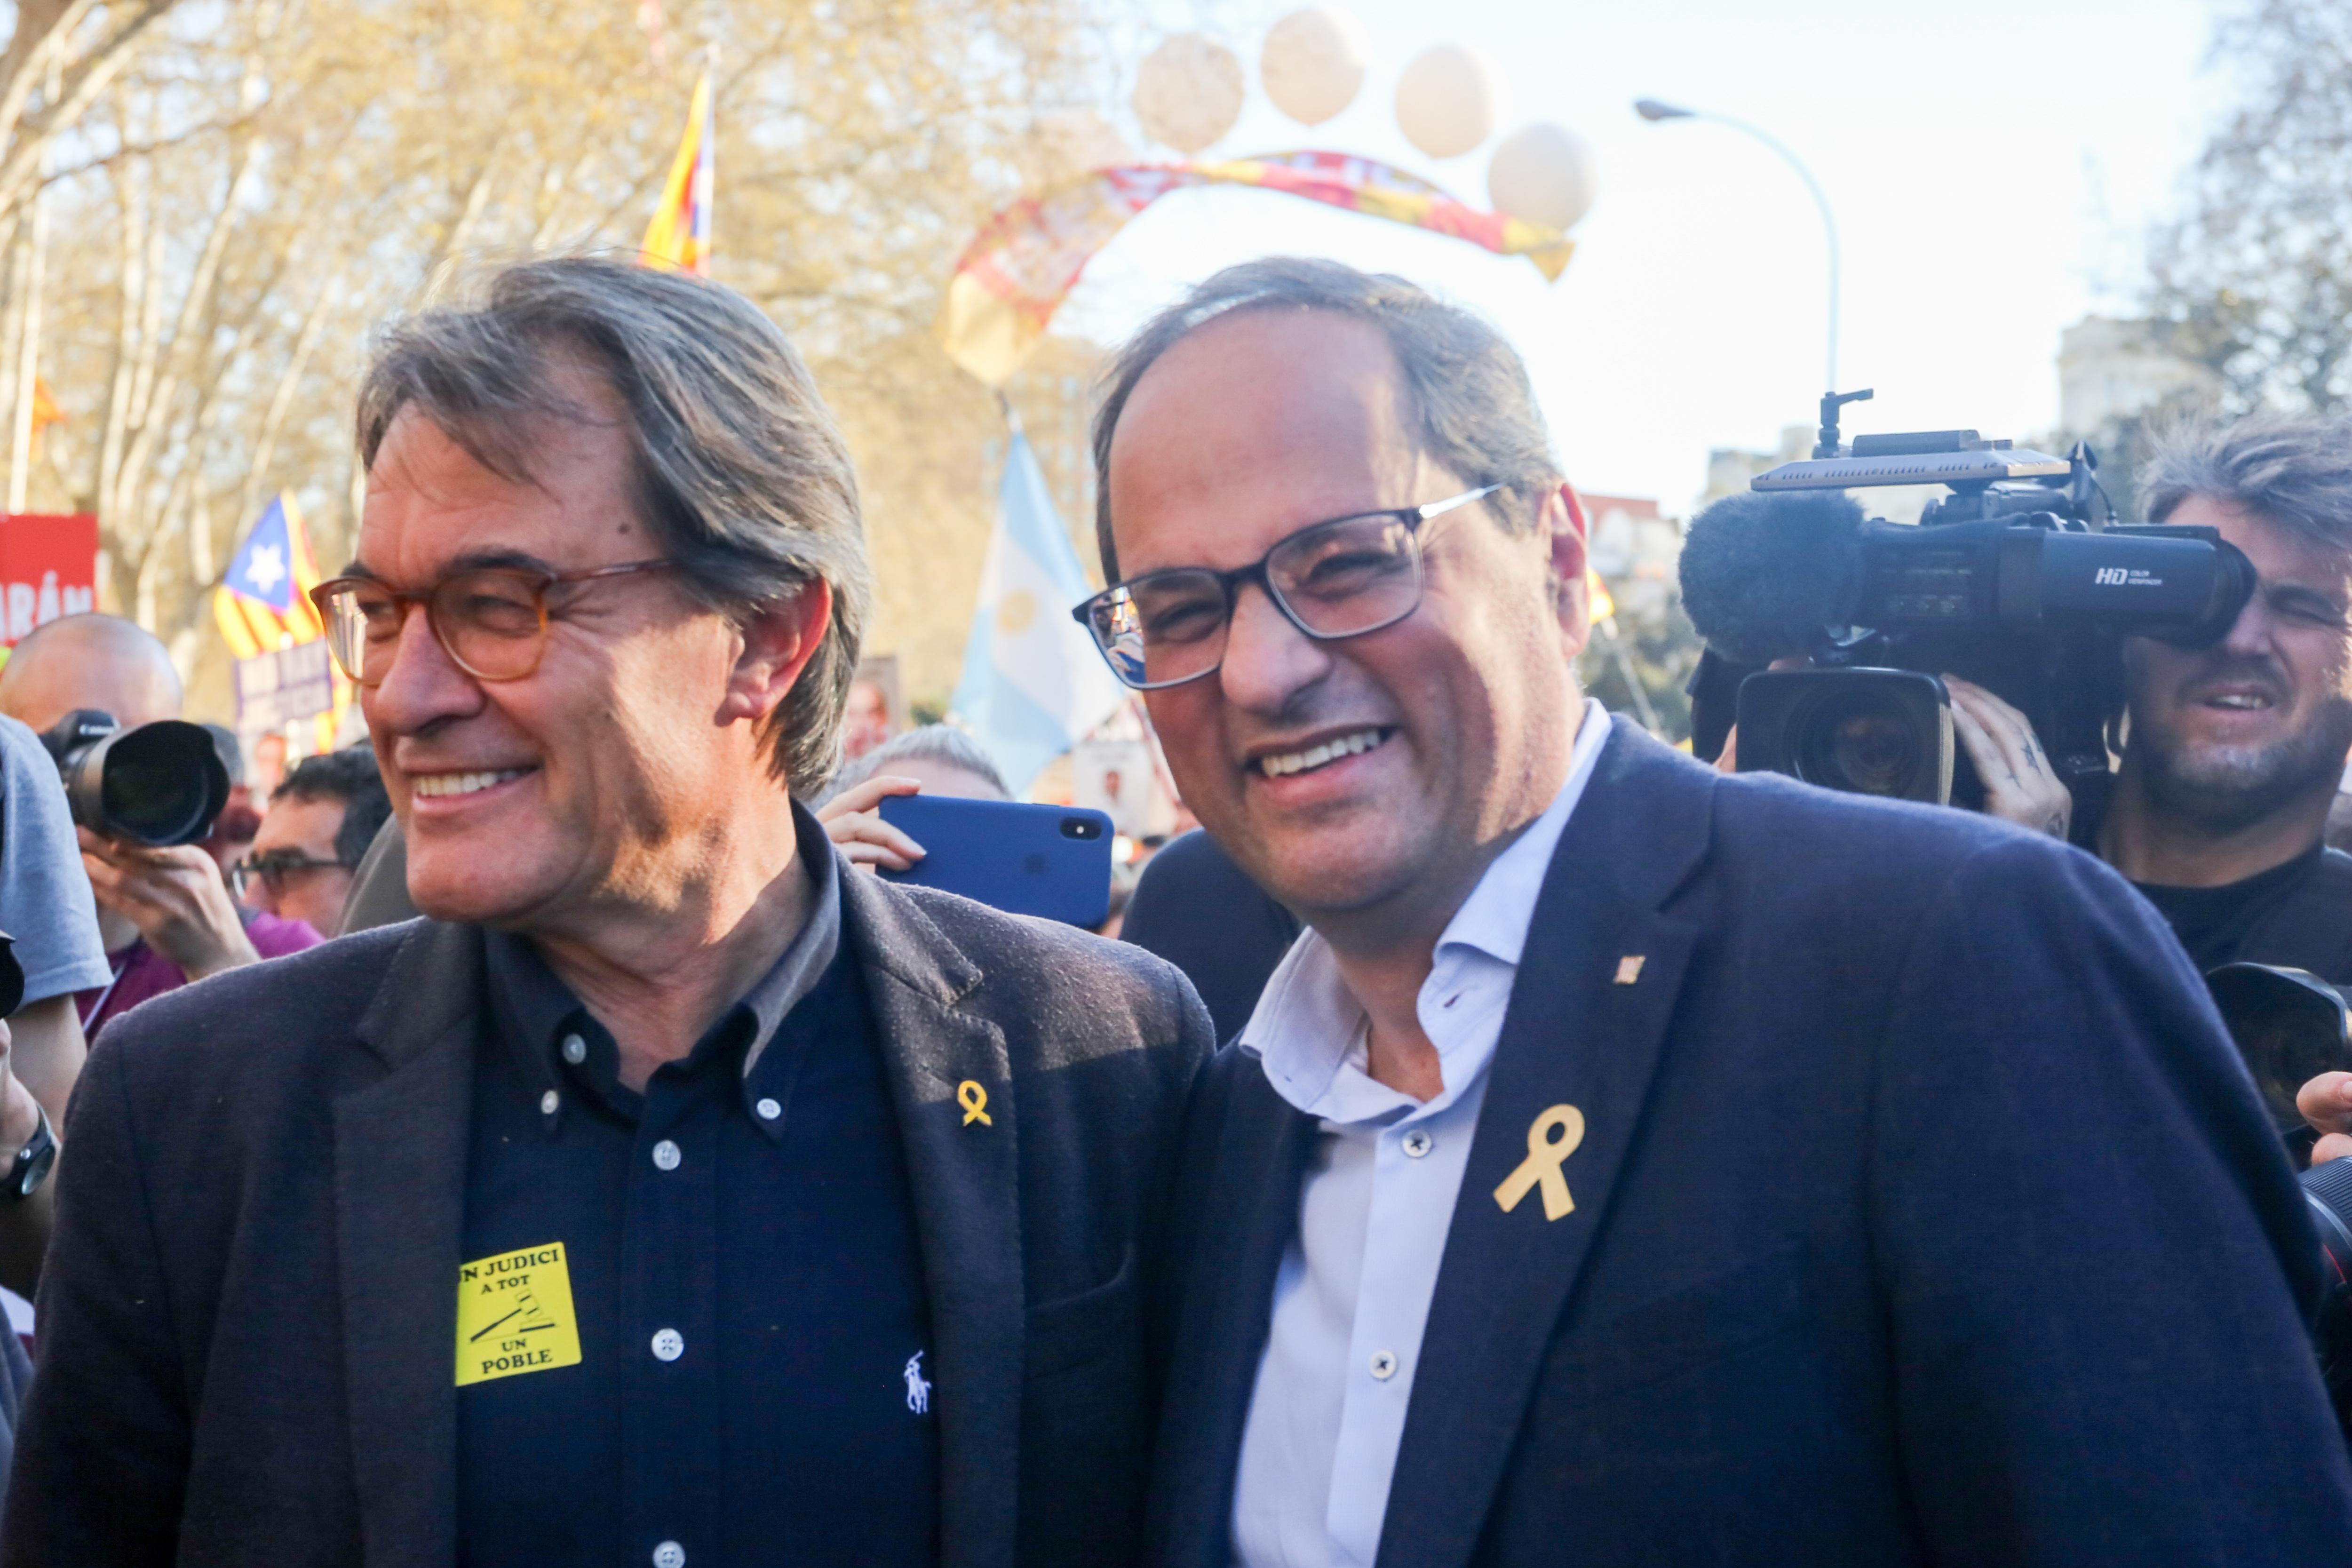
1631	1164
322	818
669	1196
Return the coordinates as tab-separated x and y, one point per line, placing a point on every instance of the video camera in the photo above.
2019	579
157	785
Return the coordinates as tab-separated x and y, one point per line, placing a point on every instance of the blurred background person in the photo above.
866	723
322	818
2234	754
47	906
164	915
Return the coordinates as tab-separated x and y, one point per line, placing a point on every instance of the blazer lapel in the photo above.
400	1188
948	1069
1250	1212
1597	985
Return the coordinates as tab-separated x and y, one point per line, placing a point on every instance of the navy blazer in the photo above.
247	1316
1924	1214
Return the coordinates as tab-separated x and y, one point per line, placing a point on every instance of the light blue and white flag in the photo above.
1034	685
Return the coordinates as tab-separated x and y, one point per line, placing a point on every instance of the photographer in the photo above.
165	914
2232	752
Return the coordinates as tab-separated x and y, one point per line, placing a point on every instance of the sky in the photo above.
1993	167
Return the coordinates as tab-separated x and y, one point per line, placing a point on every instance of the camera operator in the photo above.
165	914
2232	754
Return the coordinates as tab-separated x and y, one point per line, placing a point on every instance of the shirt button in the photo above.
575	1049
768	1109
1383	1364
549	1101
665	1155
1418	1142
669	1554
668	1345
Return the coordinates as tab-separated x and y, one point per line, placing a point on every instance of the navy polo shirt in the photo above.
692	1325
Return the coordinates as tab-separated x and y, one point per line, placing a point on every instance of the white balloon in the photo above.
1188	91
1313	63
1447	100
1542	174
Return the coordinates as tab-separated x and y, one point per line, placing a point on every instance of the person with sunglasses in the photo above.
323	817
1630	1164
670	1193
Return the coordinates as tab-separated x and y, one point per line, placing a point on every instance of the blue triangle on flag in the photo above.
264	567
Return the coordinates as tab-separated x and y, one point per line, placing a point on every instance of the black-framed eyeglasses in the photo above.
271	869
491	620
1332	580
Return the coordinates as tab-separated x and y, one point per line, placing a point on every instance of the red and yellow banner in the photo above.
1016	272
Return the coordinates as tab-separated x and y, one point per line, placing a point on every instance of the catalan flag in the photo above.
679	235
263	605
263	602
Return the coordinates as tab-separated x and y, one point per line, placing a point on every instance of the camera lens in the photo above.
1081	827
1862	742
159	783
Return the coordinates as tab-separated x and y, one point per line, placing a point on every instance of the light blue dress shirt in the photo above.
1353	1291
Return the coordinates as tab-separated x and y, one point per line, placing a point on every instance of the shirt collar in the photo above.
1307	1021
531	1007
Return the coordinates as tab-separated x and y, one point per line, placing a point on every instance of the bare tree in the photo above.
252	200
2256	279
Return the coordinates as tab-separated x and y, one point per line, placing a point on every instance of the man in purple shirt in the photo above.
165	915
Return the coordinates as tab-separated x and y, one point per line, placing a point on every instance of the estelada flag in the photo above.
263	602
679	235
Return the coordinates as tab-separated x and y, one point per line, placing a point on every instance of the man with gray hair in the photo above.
666	1196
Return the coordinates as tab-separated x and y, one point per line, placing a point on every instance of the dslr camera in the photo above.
2018	579
157	785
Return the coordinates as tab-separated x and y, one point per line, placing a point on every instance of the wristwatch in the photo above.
31	1166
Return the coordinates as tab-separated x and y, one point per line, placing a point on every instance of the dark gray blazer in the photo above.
249	1318
1924	1214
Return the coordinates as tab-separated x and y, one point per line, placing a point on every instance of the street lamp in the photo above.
1654	111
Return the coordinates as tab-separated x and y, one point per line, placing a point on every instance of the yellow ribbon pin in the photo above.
1545	1156
974	1100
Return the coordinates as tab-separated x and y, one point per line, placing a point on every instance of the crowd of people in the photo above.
1497	1138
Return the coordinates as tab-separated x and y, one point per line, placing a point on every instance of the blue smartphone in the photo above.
1048	860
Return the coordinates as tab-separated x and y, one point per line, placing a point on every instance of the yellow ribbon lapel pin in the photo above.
974	1100
1546	1153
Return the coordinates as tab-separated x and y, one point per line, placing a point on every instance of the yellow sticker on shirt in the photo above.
514	1315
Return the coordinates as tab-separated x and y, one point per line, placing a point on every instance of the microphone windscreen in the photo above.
1763	571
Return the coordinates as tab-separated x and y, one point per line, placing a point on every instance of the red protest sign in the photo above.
48	567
